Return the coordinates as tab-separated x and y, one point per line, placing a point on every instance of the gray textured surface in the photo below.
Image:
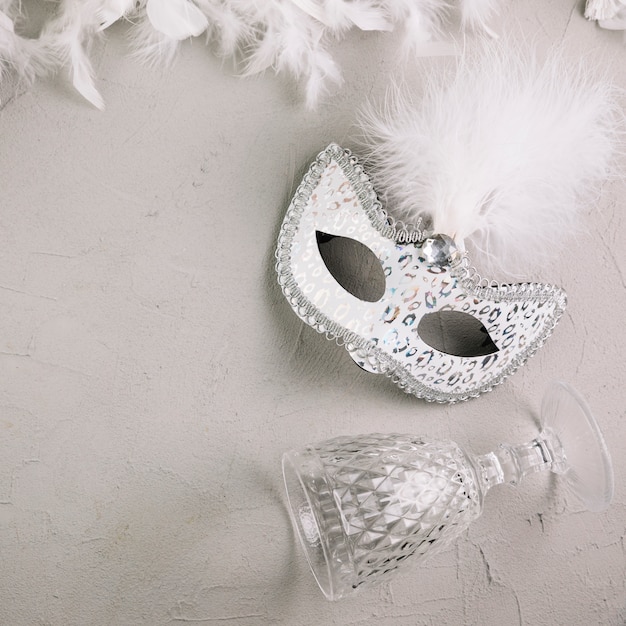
8	88
152	374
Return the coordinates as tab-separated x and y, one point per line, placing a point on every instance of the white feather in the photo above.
421	21
293	42
177	19
363	14
501	154
68	36
312	8
231	28
150	46
602	9
6	23
324	71
339	15
111	11
82	76
477	14
27	58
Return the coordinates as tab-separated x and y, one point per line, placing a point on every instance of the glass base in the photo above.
577	446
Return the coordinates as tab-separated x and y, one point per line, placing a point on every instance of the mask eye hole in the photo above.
456	333
353	265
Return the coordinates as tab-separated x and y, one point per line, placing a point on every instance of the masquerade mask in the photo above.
422	276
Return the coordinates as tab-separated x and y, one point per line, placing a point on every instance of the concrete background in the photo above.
152	373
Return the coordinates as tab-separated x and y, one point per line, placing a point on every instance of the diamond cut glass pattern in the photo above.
400	496
422	275
362	506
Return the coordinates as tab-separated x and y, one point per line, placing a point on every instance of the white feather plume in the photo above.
477	14
177	19
420	21
501	154
70	34
112	11
149	45
289	36
25	57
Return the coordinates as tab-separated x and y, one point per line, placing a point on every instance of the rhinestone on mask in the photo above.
440	250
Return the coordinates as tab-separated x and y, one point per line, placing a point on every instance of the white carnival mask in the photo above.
422	276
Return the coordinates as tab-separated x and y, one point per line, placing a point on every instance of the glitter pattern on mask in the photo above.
337	198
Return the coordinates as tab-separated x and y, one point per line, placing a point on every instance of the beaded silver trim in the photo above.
547	302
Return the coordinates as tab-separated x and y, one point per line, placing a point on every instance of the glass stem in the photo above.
509	464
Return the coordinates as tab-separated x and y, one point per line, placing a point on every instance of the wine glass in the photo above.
363	505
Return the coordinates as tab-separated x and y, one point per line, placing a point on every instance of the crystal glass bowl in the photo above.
362	506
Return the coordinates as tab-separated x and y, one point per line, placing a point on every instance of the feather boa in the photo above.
502	154
284	35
